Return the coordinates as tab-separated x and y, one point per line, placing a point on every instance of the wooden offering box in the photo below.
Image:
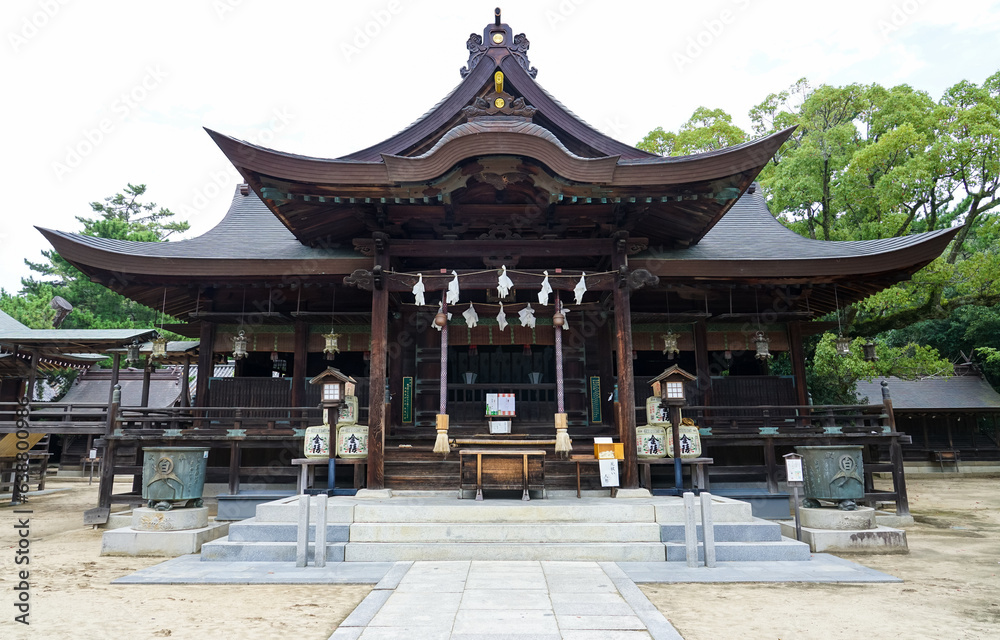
502	469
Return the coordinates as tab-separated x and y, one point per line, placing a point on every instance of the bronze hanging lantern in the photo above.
558	319
869	350
240	345
132	352
159	347
843	345
331	346
761	341
670	347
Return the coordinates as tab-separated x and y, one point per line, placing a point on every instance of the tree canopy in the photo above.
868	162
122	216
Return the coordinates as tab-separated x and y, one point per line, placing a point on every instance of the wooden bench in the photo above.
307	472
699	472
501	469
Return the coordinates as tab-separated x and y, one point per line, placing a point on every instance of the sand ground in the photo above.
951	587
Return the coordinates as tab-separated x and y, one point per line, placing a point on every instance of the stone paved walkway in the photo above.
505	600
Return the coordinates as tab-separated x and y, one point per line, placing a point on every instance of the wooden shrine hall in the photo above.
500	244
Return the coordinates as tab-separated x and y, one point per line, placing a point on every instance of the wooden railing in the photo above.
791	420
250	420
55	417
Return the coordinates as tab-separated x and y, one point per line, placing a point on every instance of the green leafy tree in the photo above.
122	217
706	130
833	378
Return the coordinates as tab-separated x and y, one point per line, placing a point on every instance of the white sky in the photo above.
296	76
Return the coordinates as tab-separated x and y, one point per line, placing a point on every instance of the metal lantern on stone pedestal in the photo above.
331	345
843	345
761	341
132	352
672	397
239	345
670	348
159	347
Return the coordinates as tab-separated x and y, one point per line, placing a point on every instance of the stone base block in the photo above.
877	540
374	494
144	519
837	520
633	493
887	519
169	544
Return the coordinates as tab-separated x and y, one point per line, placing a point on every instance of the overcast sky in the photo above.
99	94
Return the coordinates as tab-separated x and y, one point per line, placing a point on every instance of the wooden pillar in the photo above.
299	361
32	376
107	480
626	383
116	360
206	363
606	343
895	456
147	372
702	364
376	388
185	376
798	357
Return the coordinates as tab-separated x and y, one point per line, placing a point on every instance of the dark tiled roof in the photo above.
95	386
248	229
749	231
941	394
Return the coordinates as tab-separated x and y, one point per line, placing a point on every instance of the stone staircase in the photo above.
436	526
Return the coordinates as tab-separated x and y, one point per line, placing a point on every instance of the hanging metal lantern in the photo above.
240	345
869	349
843	345
159	347
670	347
132	352
761	341
331	346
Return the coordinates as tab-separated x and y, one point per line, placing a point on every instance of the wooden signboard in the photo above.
407	400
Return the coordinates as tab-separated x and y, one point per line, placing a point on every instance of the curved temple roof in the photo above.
494	148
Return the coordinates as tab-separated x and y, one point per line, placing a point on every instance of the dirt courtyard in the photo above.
951	588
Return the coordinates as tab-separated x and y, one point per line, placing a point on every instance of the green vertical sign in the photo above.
595	399
407	400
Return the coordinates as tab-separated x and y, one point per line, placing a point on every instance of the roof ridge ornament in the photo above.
499	102
497	36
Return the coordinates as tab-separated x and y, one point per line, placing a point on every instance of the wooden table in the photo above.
307	473
699	474
501	469
580	459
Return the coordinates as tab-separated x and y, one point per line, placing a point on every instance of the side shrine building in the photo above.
618	264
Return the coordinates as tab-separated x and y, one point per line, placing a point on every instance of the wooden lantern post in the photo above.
672	398
334	390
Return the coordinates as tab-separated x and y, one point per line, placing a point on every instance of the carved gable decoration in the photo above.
498	36
499	102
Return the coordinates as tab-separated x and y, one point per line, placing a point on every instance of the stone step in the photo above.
537	533
287	510
786	549
225	551
723	510
253	531
759	531
592	552
506	511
